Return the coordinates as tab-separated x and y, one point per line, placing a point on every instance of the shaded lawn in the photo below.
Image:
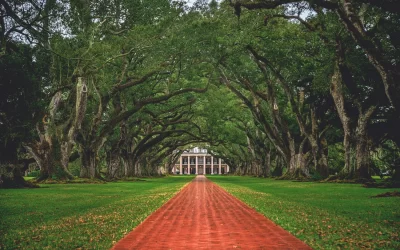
87	216
324	215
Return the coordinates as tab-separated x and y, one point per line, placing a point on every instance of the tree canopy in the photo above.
294	89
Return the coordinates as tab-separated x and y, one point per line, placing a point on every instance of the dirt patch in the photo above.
387	194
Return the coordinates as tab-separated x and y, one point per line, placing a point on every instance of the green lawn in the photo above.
80	216
324	215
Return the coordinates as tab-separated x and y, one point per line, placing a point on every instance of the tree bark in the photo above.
43	155
138	169
338	98
12	177
297	167
319	148
278	171
129	165
322	166
362	157
43	150
68	140
89	168
362	149
361	132
114	166
267	164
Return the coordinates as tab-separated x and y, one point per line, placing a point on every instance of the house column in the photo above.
219	166
180	165
188	165
212	165
204	165
197	165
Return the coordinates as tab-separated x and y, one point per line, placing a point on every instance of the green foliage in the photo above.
325	216
74	167
34	173
20	99
336	159
316	176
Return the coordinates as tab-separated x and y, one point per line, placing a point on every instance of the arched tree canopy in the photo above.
112	89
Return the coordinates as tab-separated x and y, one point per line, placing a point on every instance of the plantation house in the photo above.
198	161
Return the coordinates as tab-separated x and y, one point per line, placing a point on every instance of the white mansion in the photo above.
198	161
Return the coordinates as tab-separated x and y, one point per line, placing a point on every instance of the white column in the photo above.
188	165
180	165
212	165
204	165
197	165
219	166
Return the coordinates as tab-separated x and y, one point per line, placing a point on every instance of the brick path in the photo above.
204	216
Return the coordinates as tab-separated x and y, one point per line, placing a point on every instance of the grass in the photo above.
324	215
95	216
80	216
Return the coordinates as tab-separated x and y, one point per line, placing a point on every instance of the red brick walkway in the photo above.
204	216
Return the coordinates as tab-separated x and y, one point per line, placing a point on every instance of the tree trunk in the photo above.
297	167
362	158
43	150
396	173
114	169
138	169
11	176
43	154
79	113
338	98
322	166
297	162
65	154
267	165
129	165
347	169
89	167
362	149
319	147
125	166
47	169
278	166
